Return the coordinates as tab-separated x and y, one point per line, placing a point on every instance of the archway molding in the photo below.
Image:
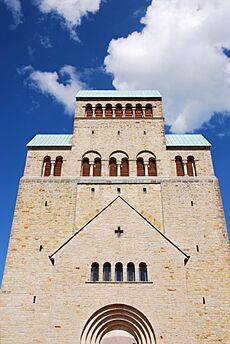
118	317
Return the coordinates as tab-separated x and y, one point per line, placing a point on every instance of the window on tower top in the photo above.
108	110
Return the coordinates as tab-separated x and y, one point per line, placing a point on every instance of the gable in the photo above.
99	237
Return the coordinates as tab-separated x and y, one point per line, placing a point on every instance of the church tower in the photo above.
119	233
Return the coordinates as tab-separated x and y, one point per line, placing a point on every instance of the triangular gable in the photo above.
51	257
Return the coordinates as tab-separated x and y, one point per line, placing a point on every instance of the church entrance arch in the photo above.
118	317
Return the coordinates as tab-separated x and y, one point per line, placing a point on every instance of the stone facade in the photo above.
64	224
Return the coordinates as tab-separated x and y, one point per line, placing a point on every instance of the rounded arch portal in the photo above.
118	317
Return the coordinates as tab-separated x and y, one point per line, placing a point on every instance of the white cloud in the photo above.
179	52
16	9
49	83
71	11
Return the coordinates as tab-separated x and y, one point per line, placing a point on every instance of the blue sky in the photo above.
48	52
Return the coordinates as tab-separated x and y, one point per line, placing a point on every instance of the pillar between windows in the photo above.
118	168
185	167
91	163
101	273
146	165
52	169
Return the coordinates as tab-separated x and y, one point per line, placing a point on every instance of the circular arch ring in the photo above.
118	317
97	155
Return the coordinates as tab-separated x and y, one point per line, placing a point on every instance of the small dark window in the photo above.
152	169
95	272
144	190
92	131
118	110
107	272
92	191
130	272
203	298
191	203
108	110
191	168
89	111
40	248
143	275
118	133
179	166
144	132
34	299
197	248
140	167
47	166
113	167
118	190
138	111
124	167
97	167
46	203
148	111
98	110
58	166
85	167
119	272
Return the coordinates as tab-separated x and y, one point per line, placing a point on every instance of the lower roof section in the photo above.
186	140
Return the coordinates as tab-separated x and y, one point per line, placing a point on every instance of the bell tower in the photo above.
118	233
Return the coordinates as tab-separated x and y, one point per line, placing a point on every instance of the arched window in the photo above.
58	166
128	110
124	167
119	272
95	272
152	168
107	272
112	167
98	110
89	111
191	168
118	110
138	111
140	167
85	167
97	167
46	166
130	272
108	110
179	166
143	274
148	111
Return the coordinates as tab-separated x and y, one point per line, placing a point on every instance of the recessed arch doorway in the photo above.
101	327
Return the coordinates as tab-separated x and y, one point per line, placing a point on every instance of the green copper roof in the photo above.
186	140
50	141
118	94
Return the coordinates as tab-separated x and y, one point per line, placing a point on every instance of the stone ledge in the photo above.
118	180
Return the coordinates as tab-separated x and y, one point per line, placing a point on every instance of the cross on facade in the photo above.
118	231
